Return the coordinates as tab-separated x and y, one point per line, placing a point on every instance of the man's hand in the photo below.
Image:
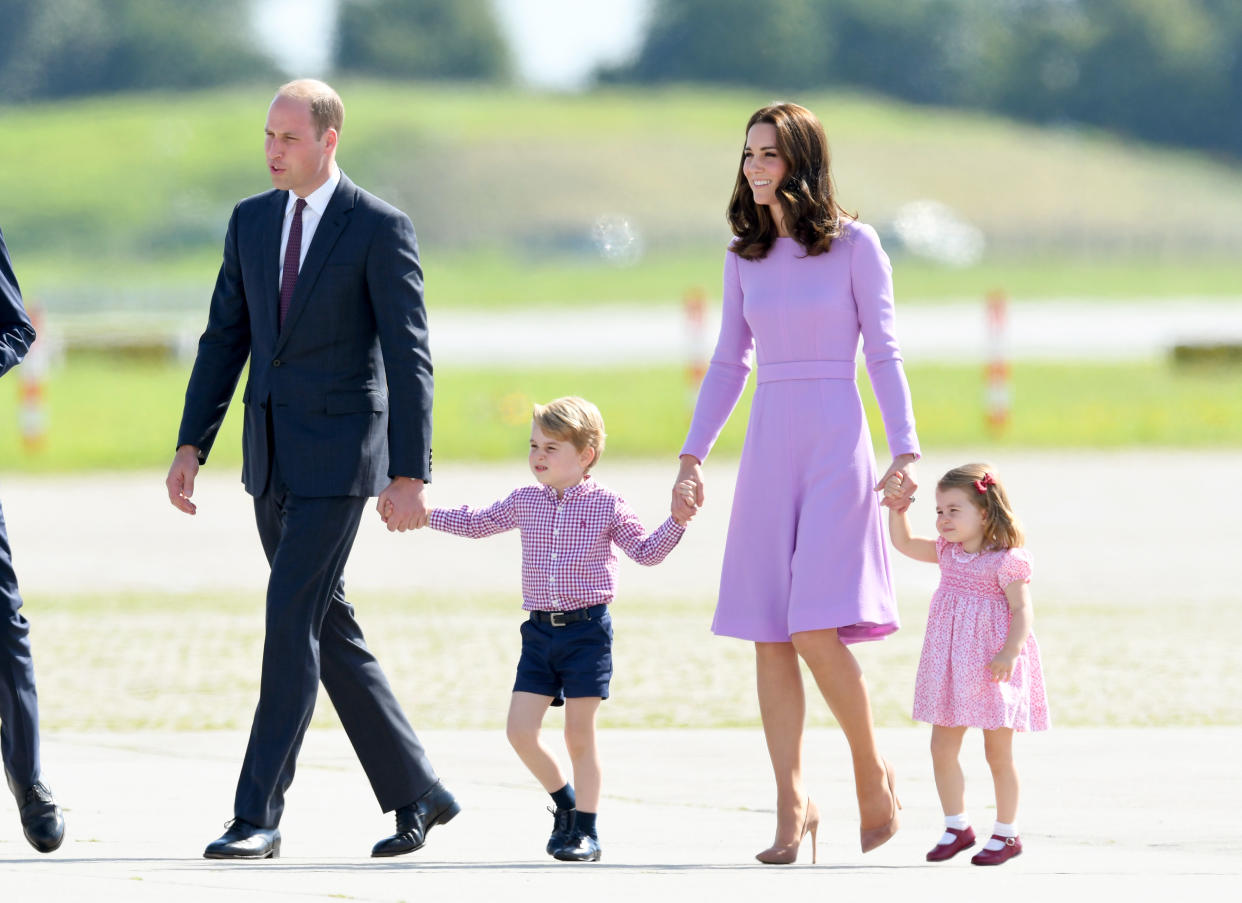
403	504
180	480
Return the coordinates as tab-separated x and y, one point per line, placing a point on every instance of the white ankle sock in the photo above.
960	822
1003	830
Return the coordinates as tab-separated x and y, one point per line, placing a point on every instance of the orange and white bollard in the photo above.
694	304
32	414
997	396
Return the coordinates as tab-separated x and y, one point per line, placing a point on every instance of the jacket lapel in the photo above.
272	231
331	224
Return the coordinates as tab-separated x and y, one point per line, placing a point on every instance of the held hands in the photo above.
892	494
403	505
899	494
685	503
180	479
683	507
1001	667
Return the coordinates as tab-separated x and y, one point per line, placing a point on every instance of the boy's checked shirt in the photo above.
567	556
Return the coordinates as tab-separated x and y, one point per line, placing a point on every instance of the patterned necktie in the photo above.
293	258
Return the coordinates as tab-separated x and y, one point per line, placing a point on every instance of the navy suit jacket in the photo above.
16	333
347	381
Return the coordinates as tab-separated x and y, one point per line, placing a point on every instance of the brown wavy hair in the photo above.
1000	525
808	196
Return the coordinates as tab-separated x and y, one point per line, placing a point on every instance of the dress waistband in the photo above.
806	370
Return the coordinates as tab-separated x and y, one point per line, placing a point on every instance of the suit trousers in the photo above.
19	704
312	636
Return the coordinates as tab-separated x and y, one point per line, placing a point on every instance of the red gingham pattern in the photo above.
567	556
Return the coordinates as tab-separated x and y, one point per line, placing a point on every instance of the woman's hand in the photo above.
903	468
692	471
683	507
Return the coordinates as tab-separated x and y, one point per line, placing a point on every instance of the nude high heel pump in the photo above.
788	853
871	838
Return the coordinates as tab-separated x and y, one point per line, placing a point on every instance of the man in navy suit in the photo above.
322	290
42	822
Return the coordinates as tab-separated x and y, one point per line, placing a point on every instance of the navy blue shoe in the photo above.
243	840
582	847
562	829
435	807
42	821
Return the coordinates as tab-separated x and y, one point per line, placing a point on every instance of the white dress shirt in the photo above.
316	204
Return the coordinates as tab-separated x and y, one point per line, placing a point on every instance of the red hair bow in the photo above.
981	486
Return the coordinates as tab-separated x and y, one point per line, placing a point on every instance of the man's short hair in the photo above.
326	109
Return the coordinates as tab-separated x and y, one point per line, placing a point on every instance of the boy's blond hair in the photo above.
573	419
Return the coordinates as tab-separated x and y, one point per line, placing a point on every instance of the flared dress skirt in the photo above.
806	547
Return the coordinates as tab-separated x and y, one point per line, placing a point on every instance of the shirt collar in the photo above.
587	485
318	199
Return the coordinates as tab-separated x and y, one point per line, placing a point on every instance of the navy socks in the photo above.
586	823
564	798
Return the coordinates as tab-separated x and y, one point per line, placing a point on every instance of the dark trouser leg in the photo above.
19	704
387	746
307	542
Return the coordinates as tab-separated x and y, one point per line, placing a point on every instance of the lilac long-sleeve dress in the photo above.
806	547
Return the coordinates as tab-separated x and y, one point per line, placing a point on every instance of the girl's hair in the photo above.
808	196
983	488
573	419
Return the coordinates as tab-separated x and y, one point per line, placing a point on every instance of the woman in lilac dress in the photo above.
806	567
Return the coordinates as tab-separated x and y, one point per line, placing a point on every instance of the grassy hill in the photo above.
122	201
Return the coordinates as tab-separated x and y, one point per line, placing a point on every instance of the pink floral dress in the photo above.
966	626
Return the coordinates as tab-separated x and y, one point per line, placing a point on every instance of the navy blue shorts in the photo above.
573	660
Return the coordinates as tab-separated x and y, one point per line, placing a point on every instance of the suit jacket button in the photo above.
276	363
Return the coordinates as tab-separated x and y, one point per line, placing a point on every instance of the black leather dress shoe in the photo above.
42	821
435	807
562	828
582	847
243	840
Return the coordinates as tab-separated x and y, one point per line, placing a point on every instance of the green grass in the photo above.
191	662
110	413
505	186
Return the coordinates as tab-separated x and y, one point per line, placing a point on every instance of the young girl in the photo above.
980	663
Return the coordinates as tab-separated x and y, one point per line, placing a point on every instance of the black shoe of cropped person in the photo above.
562	829
582	847
42	821
435	807
242	840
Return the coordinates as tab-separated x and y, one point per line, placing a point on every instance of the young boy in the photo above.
568	525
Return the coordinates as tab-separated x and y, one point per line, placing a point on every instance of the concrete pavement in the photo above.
1134	814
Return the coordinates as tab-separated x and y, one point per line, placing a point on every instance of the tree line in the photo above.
1163	70
65	48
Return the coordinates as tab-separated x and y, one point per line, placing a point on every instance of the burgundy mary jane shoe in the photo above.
1012	847
963	839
